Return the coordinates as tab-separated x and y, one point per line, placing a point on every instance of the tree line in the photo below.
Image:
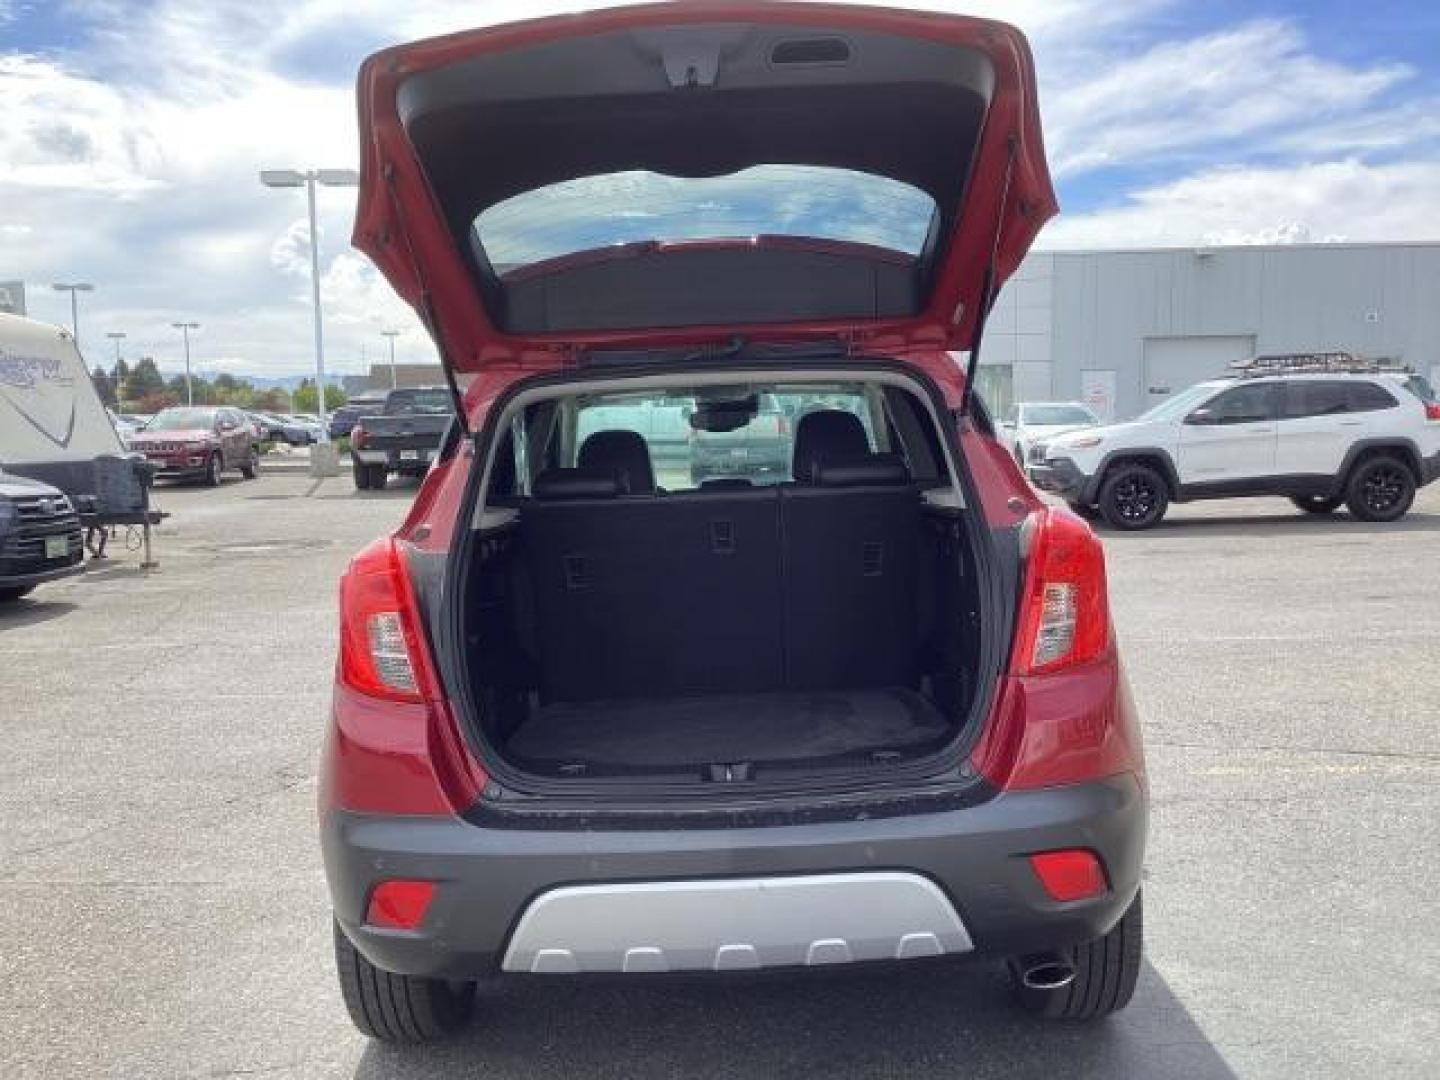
143	389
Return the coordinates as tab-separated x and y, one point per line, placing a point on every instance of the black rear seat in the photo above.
728	589
645	597
852	557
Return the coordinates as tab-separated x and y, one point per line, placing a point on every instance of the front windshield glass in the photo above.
1056	415
1178	404
766	200
182	420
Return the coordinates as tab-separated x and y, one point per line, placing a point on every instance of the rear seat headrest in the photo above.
826	435
621	451
577	484
862	470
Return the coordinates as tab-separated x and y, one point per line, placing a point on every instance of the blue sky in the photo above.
134	131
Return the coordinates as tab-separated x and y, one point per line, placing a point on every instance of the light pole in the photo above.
116	336
294	178
72	289
185	328
392	335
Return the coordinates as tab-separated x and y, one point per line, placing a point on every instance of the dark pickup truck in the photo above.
403	436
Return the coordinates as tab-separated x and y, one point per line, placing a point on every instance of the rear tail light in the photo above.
394	746
1064	610
358	437
1064	716
1074	874
1432	410
381	646
399	905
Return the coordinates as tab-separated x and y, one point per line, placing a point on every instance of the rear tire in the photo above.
9	596
1133	497
1381	488
1316	504
1106	971
379	476
213	468
362	476
251	469
399	1008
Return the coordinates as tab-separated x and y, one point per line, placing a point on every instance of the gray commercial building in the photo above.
1124	329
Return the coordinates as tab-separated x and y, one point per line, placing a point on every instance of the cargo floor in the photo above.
652	733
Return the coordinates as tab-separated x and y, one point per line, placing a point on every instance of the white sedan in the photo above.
1030	424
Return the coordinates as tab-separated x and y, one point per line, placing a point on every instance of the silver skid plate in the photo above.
735	924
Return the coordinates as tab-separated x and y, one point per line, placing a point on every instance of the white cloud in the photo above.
1211	91
1346	199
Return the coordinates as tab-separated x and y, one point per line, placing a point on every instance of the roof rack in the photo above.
1323	362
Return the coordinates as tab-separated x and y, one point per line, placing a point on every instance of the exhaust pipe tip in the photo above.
1046	972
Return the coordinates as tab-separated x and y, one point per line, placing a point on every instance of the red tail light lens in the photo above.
1064	611
1070	875
358	437
393	745
1432	410
381	646
1065	715
400	905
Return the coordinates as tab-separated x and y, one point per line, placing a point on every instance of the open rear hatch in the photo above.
701	187
700	172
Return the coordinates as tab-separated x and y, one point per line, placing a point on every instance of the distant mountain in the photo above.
262	382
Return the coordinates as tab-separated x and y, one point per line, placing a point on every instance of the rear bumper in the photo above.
490	877
395	459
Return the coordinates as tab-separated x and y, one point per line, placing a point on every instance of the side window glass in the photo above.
1243	405
1368	397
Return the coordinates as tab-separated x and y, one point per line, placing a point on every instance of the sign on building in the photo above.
12	297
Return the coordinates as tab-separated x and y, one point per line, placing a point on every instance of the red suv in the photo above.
597	712
197	443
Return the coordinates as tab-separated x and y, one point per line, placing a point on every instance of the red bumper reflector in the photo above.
1070	875
400	905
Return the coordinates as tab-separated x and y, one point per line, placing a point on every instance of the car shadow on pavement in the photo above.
1278	525
23	613
398	488
928	1021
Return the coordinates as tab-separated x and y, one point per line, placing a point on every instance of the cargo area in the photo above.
616	627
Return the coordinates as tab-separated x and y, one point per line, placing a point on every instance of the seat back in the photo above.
641	597
852	562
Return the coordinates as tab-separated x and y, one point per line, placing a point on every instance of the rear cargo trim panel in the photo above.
735	924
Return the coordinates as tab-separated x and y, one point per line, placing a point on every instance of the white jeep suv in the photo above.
1368	441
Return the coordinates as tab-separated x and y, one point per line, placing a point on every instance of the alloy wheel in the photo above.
1383	488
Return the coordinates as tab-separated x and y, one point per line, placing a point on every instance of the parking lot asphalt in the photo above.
165	912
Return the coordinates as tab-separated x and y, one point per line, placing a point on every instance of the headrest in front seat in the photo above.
829	433
624	452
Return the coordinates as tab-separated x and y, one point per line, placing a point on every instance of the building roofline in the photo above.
1216	249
